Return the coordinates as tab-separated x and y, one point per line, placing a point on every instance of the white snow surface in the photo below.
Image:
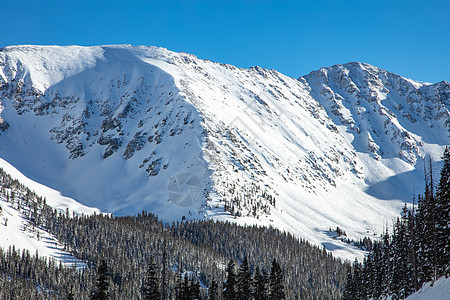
439	291
112	126
53	197
16	230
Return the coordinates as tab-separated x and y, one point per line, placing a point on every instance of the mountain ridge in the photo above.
265	148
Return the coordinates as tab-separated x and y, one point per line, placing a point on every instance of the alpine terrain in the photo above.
131	128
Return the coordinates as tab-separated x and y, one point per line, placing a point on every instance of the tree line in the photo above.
237	286
417	251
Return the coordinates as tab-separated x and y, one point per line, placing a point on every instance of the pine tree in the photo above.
400	285
179	286
151	285
377	279
426	230
194	290
213	291
186	288
276	282
259	285
427	210
443	218
358	279
163	271
102	283
244	281
419	222
369	274
182	288
386	263
229	291
349	291
412	249
70	294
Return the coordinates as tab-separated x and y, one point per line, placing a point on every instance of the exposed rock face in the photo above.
383	108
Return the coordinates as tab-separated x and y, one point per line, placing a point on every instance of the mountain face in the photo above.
126	128
387	114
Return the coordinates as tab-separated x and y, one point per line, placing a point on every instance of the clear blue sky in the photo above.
407	37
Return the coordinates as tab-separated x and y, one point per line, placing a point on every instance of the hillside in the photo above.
131	128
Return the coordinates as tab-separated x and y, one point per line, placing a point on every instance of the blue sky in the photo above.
410	38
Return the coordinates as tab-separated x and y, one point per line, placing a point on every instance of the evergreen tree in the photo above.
194	290
386	260
407	243
229	291
102	283
244	281
400	285
412	247
369	274
427	251
349	291
276	282
213	290
426	237
419	225
443	218
70	295
358	279
182	291
259	285
377	279
151	285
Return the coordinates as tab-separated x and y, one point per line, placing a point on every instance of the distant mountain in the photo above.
130	128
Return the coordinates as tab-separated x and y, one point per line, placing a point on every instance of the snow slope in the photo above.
53	198
17	231
125	128
439	291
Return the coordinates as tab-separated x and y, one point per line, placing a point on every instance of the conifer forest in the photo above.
141	257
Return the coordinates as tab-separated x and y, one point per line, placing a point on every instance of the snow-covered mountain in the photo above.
126	128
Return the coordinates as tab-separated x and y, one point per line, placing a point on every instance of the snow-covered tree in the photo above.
276	281
102	283
151	285
244	281
443	218
229	291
